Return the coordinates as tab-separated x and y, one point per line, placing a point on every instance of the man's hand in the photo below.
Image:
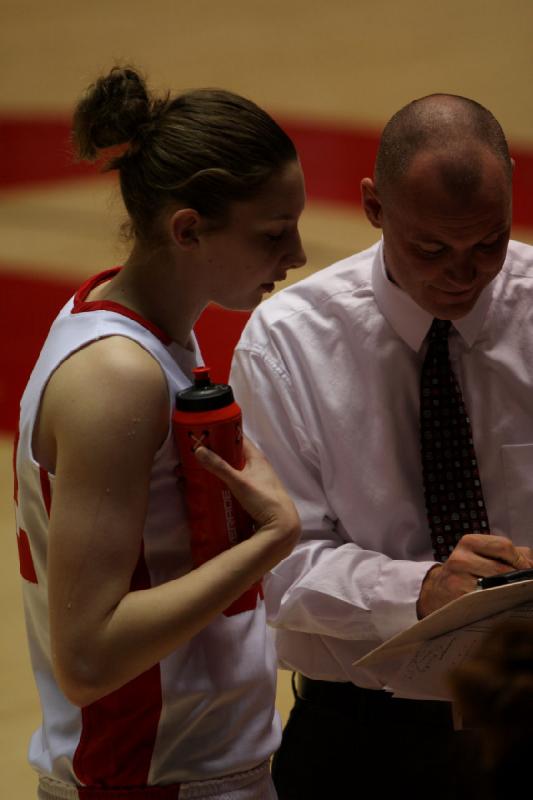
476	555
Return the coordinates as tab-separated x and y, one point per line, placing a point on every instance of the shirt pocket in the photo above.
518	477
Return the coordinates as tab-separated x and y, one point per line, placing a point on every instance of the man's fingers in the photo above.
494	547
523	561
484	555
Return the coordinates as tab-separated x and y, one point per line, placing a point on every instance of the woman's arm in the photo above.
105	414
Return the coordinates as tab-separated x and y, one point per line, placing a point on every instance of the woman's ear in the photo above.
371	202
184	226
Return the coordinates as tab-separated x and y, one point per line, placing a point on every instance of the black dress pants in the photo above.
343	743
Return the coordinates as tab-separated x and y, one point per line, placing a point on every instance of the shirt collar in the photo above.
411	322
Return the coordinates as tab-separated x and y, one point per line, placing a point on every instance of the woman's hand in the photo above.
260	492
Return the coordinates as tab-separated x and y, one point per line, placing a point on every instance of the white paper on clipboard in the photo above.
415	663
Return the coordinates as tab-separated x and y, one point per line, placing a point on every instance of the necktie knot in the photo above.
440	328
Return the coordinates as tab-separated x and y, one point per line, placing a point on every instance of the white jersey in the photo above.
206	711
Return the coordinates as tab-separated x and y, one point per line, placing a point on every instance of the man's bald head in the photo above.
459	130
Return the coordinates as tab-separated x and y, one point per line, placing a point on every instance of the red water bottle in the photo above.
207	414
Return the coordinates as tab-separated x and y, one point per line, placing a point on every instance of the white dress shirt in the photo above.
327	374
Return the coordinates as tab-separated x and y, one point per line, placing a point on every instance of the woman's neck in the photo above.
158	289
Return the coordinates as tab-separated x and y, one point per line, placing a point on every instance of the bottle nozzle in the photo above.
201	377
204	395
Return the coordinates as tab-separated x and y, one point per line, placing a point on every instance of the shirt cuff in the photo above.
394	601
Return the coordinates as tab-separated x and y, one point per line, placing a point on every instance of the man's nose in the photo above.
461	271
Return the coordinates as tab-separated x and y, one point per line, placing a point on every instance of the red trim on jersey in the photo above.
119	731
15	476
46	489
27	568
81	304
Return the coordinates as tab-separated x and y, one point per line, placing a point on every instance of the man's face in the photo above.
443	248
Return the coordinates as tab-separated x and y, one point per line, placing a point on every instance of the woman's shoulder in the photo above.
109	368
108	383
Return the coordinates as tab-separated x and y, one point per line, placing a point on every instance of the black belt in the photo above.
372	706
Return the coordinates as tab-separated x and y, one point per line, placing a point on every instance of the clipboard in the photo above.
415	662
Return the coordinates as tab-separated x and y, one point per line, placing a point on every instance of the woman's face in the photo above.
258	245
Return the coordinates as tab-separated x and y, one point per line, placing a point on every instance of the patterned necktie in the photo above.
452	487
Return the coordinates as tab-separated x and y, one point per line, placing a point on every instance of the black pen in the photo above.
504	578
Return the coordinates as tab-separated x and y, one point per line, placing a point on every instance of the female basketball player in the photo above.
147	688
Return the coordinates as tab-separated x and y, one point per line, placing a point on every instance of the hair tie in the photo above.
113	152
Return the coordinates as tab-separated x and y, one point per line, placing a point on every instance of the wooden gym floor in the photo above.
333	72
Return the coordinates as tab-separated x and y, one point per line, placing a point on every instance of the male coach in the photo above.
393	394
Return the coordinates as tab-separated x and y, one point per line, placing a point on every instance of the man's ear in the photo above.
184	227
371	202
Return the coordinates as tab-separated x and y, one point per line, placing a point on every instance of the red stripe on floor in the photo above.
218	331
28	304
334	157
34	150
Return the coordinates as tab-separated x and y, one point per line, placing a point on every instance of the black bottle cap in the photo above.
204	395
